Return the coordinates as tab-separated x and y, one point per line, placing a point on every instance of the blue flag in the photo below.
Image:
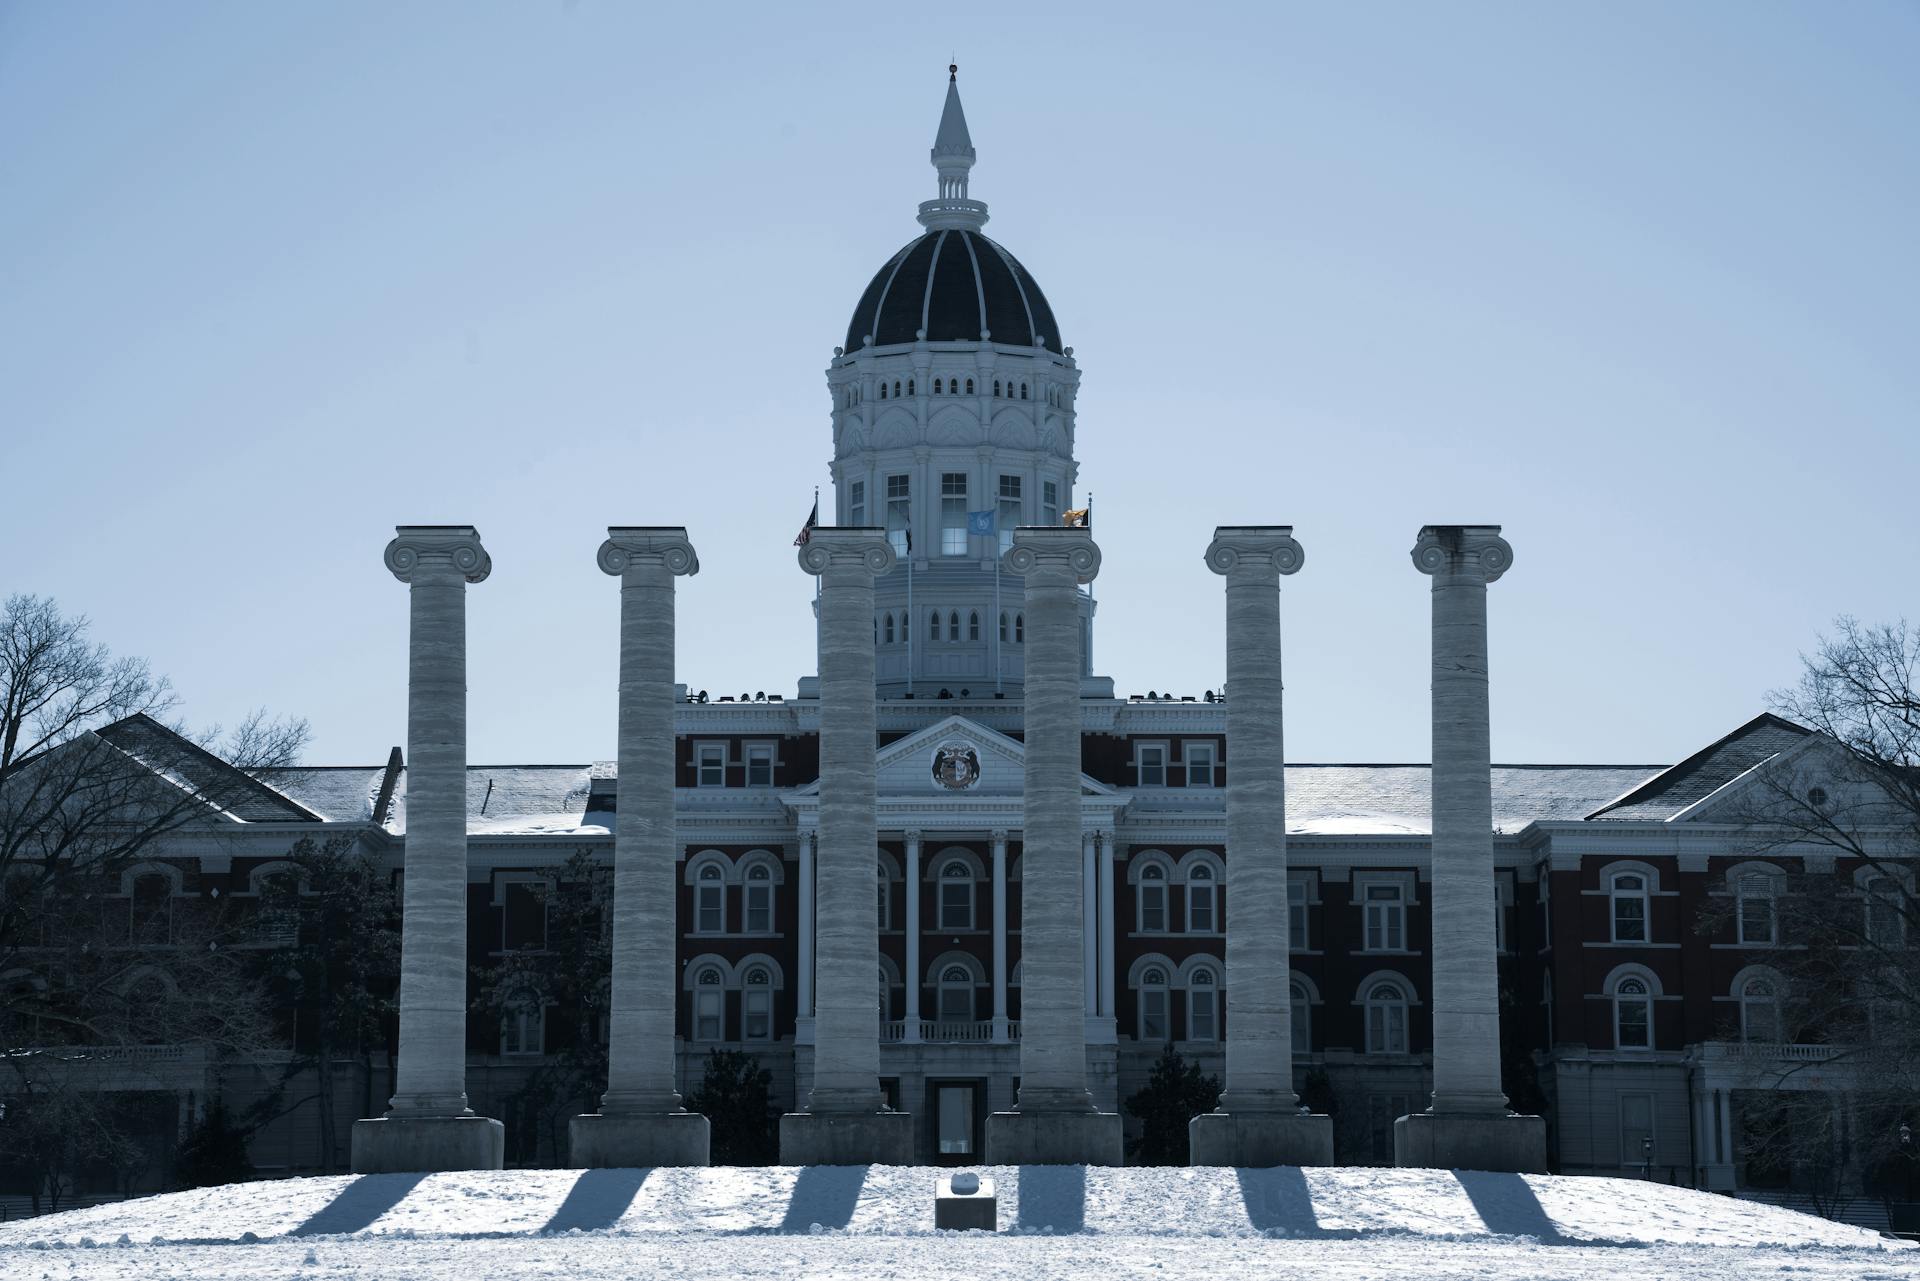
986	523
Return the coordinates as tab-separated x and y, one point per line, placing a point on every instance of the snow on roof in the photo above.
337	793
1397	799
1705	772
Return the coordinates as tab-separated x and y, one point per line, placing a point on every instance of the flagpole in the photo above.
816	598
998	624
911	626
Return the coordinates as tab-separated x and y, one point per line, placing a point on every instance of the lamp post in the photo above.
1906	1150
1646	1157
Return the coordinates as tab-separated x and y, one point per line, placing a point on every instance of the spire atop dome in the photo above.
952	158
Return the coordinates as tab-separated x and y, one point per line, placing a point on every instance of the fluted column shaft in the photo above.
1259	1058
846	1071
915	980
640	1059
803	986
1466	1011
437	562
1053	1054
999	935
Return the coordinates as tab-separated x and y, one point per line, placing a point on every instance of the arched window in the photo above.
1019	629
1203	1007
710	901
888	628
955	999
953	626
1755	917
996	387
1386	1019
759	899
1628	892
896	389
756	1004
1023	391
1003	627
1153	1004
709	1005
933	625
936	386
973	625
1301	1012
956	896
1632	1014
1759	1011
1152	894
886	898
1200	895
883	391
969	386
910	387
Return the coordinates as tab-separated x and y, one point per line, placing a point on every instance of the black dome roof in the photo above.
958	286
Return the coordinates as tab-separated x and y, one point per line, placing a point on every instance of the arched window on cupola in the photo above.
1003	627
1019	629
933	626
883	391
936	386
996	387
953	626
910	390
1023	391
896	388
889	628
973	625
969	386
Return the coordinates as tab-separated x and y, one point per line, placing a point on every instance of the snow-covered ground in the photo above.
878	1222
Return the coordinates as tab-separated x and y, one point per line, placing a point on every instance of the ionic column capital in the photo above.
637	548
840	547
1462	551
1254	551
1040	550
419	551
911	835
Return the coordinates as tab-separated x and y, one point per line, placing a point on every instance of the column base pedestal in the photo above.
427	1144
596	1141
846	1138
1260	1139
1055	1138
1511	1143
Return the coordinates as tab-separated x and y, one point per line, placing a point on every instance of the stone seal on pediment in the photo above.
956	766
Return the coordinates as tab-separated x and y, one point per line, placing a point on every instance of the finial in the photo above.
952	157
953	72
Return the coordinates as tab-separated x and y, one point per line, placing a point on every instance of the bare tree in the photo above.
95	783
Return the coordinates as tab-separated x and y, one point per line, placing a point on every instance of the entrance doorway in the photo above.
958	1117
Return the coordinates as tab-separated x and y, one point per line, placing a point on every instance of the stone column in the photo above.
1259	1121
640	1122
428	1125
1090	921
1104	856
1053	1121
803	987
844	1122
1468	1125
1000	935
914	978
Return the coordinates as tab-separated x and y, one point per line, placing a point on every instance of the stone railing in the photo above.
107	1053
933	1031
1769	1051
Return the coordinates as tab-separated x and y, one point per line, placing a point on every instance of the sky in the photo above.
1639	283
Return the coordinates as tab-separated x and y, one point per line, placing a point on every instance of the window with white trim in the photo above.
1153	1004
1152	894
710	901
150	909
857	502
522	898
1049	503
1759	1011
709	1006
886	898
1298	923
1632	1014
1201	892
1200	759
953	513
756	1004
1385	907
710	764
1386	1006
1499	919
1150	764
1886	924
955	995
1012	513
900	513
1300	1011
760	758
1203	1006
523	1027
1627	892
956	896
1754	920
759	899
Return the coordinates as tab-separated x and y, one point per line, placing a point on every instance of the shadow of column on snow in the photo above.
824	1194
1278	1201
358	1205
1053	1197
1508	1207
596	1200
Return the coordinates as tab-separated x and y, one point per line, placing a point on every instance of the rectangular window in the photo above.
1386	1027
1153	1014
1200	1012
956	904
523	1030
1200	761
759	764
759	907
1756	909
710	903
1386	911
711	761
709	1003
900	514
857	503
1199	905
1049	503
1151	760
953	513
1297	940
1012	511
756	1015
1636	1129
523	915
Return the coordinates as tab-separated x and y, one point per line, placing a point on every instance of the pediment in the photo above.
979	762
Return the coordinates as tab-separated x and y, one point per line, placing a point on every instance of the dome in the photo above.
960	287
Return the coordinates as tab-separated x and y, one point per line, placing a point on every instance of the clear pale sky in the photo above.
1639	282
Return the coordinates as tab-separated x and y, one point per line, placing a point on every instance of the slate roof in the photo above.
166	752
956	285
1397	799
1659	798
